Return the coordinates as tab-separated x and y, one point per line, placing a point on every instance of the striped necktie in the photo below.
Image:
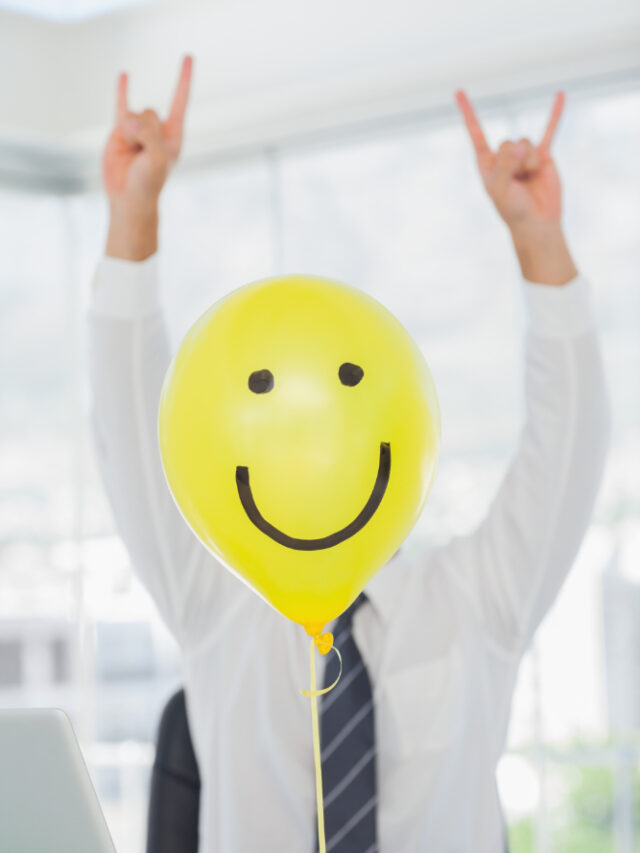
348	747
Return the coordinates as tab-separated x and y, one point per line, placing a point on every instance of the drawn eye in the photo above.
350	374
261	381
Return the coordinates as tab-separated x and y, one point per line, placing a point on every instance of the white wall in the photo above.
268	70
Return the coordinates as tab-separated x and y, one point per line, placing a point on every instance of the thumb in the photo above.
143	129
507	164
530	160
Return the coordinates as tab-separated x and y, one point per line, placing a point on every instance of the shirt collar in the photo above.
385	587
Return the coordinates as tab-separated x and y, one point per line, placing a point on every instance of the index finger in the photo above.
121	98
473	125
556	113
181	97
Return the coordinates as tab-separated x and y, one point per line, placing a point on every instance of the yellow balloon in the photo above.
299	430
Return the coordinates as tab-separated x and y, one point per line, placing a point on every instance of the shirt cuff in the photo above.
125	289
559	311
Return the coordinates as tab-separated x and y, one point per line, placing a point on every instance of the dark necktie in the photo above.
347	738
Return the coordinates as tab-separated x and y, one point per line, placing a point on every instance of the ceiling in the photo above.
66	10
272	71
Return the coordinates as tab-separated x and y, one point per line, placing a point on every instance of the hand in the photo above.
523	183
521	178
137	160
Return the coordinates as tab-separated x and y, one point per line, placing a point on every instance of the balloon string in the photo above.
314	691
313	694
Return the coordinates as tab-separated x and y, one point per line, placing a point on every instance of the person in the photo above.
433	646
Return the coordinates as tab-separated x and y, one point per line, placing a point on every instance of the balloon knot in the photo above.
324	642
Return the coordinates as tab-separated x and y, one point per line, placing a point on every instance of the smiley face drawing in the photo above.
299	431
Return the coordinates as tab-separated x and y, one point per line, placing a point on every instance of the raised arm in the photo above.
522	181
138	157
515	562
129	354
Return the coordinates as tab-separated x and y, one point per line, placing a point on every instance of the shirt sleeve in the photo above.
128	357
515	562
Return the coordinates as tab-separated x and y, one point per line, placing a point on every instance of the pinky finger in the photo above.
552	126
121	98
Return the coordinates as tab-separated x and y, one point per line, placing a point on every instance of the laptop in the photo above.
47	801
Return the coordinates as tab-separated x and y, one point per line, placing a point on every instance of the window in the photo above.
10	663
60	661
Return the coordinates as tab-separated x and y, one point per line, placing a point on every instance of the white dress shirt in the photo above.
442	635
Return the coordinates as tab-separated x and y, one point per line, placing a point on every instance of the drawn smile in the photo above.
372	504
